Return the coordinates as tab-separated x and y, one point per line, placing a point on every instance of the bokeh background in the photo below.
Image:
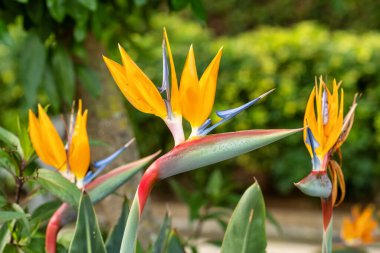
44	58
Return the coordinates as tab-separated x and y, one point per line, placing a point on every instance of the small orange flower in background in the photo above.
51	150
360	228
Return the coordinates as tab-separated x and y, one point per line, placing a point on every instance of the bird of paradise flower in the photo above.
193	100
324	133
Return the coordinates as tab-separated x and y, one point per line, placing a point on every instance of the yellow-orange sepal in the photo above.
79	150
46	141
326	122
136	86
197	97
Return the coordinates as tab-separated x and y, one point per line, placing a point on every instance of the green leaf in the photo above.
198	9
89	4
10	215
22	1
162	239
178	4
174	244
10	248
3	202
7	162
51	88
35	245
87	236
246	230
56	9
24	219
32	66
44	212
89	80
64	74
128	244
115	237
59	186
25	142
11	141
5	235
108	183
80	31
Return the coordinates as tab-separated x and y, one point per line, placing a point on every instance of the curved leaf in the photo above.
246	230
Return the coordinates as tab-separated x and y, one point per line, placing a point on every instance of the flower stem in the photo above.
327	211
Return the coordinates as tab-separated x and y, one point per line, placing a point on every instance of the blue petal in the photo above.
313	144
228	114
204	125
101	164
165	72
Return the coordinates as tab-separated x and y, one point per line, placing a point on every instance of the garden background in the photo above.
44	58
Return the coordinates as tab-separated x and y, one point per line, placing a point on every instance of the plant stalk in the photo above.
327	216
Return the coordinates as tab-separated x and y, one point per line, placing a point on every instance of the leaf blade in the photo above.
246	230
87	236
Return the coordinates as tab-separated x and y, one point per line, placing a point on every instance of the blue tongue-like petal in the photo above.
228	114
310	139
101	164
165	72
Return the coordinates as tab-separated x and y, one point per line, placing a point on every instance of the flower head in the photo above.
193	100
75	158
325	130
360	227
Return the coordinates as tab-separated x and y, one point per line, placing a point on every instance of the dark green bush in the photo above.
287	59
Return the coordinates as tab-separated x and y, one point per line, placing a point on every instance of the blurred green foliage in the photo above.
232	17
287	59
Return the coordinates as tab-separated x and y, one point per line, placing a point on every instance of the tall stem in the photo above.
327	214
19	184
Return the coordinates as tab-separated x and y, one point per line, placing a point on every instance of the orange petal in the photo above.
143	85
51	142
35	138
129	91
190	91
79	151
207	85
